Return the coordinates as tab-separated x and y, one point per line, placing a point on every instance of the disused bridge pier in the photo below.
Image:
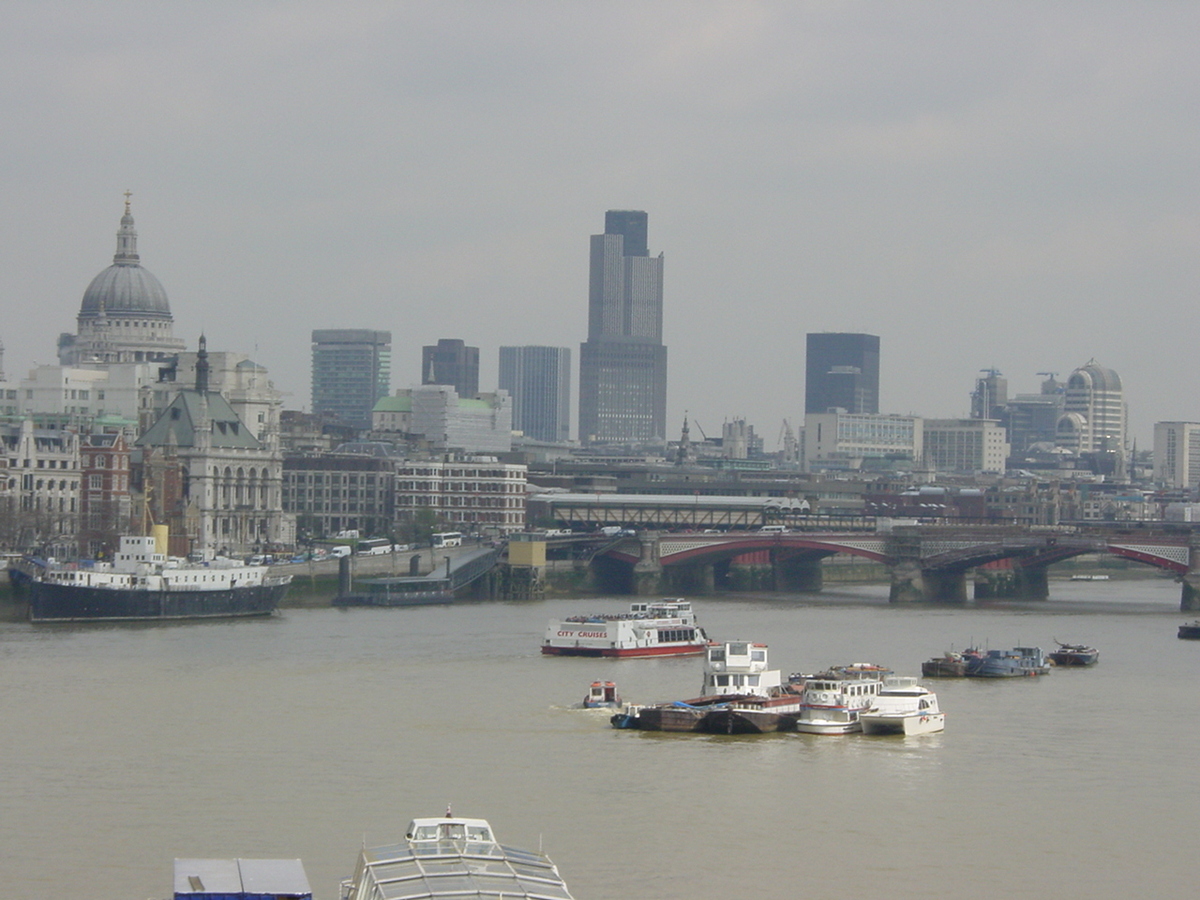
926	562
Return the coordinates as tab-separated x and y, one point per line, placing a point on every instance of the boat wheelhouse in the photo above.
452	857
602	694
654	628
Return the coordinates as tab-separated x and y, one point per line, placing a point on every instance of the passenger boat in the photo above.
1009	663
833	702
656	628
1074	655
452	856
1190	630
903	707
740	695
602	694
142	582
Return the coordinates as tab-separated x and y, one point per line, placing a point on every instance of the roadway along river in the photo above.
305	734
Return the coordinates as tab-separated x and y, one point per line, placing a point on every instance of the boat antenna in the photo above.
449	814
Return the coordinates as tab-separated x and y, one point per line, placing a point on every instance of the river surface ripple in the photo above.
304	735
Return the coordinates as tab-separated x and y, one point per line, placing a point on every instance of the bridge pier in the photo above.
648	570
912	584
1189	598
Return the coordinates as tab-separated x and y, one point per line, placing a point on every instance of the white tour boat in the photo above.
834	700
655	628
903	707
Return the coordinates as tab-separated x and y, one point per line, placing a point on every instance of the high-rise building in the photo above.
1094	417
1177	454
841	371
351	369
539	381
623	363
452	362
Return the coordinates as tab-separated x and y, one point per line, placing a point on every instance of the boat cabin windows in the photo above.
450	831
735	680
671	635
716	654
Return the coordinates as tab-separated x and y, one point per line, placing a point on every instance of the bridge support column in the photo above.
797	574
1189	599
648	570
912	584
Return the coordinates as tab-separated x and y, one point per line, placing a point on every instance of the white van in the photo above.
773	529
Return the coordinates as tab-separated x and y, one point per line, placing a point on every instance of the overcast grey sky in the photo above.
981	184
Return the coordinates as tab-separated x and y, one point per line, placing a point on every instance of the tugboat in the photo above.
740	695
602	694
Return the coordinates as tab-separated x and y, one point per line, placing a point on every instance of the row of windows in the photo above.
669	635
43	464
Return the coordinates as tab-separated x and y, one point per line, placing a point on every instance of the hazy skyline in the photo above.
997	184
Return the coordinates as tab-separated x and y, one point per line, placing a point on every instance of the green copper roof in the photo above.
179	423
393	404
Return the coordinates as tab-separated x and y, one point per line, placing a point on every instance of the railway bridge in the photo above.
926	562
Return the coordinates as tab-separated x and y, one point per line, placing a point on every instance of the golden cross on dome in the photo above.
128	194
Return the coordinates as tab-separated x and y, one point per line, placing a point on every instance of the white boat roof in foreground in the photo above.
452	857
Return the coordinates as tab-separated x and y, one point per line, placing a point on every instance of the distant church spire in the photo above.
127	254
202	367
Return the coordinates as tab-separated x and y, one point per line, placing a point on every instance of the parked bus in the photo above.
373	546
447	539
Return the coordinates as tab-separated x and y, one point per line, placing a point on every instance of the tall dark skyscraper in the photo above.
841	371
452	362
539	381
623	363
351	369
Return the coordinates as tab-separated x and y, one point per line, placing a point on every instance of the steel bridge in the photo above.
925	562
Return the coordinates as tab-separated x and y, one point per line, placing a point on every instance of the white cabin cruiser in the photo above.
833	702
903	707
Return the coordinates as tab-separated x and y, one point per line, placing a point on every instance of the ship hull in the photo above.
626	652
50	602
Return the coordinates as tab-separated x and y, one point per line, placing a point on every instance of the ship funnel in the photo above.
160	538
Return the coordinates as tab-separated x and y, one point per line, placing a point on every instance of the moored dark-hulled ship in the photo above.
141	582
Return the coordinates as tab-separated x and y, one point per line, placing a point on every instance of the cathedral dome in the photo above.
125	288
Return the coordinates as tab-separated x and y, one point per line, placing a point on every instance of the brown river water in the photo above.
306	734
